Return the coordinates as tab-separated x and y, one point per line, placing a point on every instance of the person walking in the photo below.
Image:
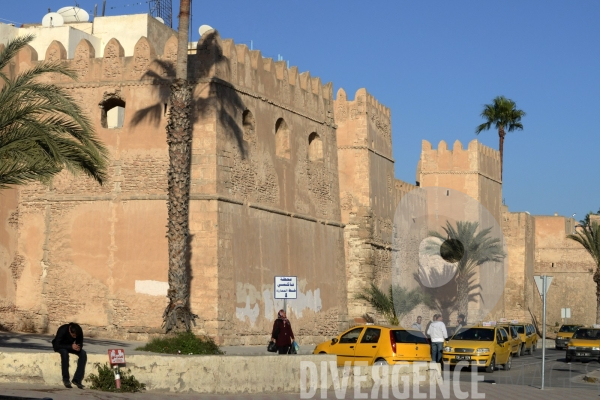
282	334
417	325
461	322
69	339
438	334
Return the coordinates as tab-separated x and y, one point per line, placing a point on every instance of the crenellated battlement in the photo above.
246	70
365	106
475	158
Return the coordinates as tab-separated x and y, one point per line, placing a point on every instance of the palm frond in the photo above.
42	128
589	238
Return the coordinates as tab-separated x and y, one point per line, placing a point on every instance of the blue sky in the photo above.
435	63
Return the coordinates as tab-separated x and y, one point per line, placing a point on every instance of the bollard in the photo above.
117	377
116	357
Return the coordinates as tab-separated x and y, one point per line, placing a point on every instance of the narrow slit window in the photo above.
315	147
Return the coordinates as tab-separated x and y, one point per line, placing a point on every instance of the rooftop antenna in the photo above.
162	9
95	10
103	7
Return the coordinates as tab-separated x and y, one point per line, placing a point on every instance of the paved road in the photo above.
491	392
526	371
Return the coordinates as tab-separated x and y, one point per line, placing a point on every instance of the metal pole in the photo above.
285	305
544	289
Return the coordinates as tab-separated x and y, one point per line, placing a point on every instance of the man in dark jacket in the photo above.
69	339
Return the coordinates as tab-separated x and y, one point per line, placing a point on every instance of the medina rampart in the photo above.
286	180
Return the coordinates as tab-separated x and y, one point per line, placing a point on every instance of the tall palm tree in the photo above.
589	237
178	315
469	249
42	128
395	304
502	113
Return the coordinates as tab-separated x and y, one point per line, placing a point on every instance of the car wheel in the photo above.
322	352
522	350
490	368
380	361
508	364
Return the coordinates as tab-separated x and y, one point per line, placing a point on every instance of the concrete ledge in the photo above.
217	374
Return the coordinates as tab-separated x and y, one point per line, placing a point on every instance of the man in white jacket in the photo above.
438	334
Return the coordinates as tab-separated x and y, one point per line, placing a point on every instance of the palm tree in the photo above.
589	237
469	249
395	304
178	315
42	128
504	115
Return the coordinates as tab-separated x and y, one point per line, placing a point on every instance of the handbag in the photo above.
295	347
272	347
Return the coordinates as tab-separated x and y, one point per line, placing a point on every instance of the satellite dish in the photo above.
159	19
74	14
52	19
204	28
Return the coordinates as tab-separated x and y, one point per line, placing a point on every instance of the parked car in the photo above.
584	345
483	346
529	337
377	344
514	340
565	333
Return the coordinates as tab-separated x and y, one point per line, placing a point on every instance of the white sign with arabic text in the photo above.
286	287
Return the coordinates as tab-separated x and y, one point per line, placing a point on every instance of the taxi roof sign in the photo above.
116	356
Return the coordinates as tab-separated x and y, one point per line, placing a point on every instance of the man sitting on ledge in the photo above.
69	339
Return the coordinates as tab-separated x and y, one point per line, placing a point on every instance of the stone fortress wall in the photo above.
286	180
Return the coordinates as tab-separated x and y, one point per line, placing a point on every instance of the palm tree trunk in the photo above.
597	280
501	133
463	295
178	315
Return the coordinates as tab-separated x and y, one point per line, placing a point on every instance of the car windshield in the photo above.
568	328
507	329
520	329
402	336
483	335
590	334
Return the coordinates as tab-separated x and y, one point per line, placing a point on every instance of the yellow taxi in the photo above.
565	333
377	344
514	339
529	337
584	345
481	346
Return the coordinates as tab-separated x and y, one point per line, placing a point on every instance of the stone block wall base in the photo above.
214	374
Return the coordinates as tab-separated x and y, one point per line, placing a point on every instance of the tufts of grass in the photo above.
182	343
105	381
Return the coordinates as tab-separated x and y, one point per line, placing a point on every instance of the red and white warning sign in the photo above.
116	356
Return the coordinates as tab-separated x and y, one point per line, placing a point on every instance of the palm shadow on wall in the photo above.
445	297
222	98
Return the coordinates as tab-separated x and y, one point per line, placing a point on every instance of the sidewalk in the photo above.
34	343
492	392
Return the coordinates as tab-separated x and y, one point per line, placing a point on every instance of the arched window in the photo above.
315	147
248	125
282	139
113	112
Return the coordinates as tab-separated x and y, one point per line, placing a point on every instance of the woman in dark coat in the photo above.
282	335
